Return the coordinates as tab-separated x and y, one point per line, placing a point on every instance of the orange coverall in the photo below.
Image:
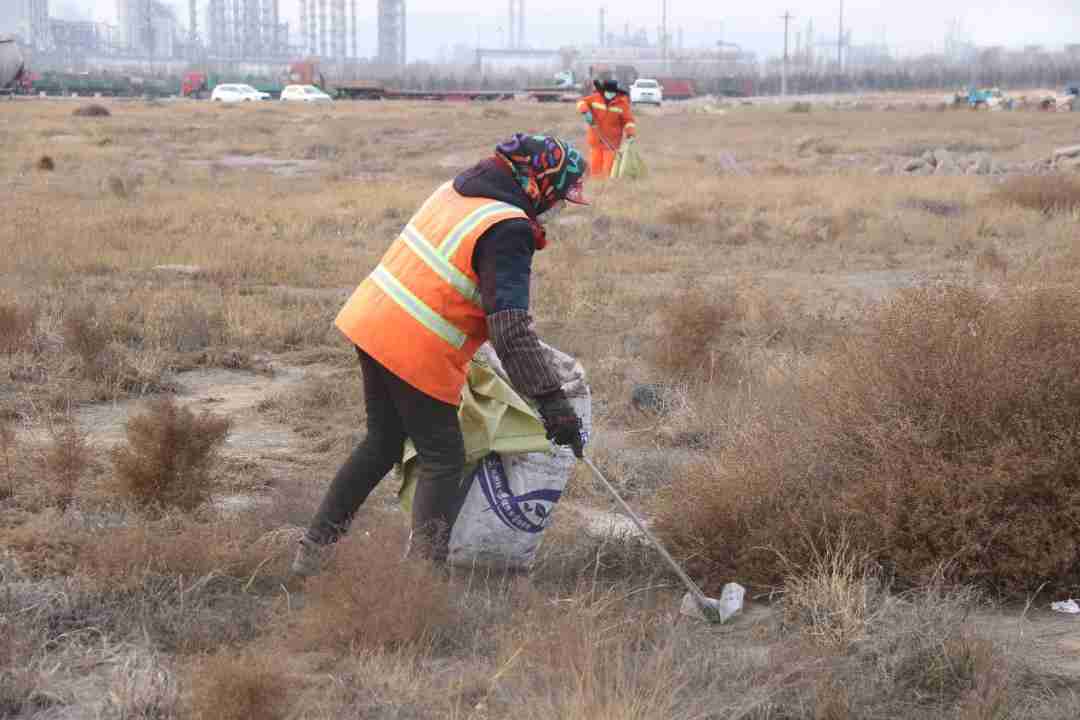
611	121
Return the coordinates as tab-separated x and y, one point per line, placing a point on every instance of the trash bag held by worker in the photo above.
628	163
515	475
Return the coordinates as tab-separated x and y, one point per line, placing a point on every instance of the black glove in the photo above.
561	422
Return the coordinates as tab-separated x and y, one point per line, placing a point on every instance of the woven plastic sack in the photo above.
628	163
518	476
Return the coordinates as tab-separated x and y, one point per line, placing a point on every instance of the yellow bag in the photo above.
628	163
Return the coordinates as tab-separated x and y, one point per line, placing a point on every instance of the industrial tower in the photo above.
32	21
243	29
392	33
193	29
338	30
515	39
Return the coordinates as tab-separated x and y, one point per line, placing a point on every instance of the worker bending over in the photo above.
608	114
456	276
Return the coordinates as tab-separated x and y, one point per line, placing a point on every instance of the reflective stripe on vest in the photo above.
438	259
417	308
419	313
463	228
440	264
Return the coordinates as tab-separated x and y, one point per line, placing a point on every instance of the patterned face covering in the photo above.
547	168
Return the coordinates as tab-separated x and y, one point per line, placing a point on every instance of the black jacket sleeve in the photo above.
503	264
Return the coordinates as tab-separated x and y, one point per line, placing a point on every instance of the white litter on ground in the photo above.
1069	607
729	604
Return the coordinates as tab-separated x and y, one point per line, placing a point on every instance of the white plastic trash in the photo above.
729	604
1069	607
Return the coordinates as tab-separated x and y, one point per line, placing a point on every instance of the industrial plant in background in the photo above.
248	36
156	49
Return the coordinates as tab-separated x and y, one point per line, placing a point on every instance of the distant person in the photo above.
610	118
458	275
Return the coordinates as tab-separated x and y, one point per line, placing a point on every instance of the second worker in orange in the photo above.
610	118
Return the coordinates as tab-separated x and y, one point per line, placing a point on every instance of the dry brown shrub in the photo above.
683	214
169	455
351	605
1048	194
66	461
239	686
16	327
121	557
19	678
692	323
45	164
9	448
41	546
991	260
949	432
87	336
91	111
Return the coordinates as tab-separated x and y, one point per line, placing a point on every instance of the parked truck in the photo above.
12	67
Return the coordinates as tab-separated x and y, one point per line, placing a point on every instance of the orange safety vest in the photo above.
419	312
610	119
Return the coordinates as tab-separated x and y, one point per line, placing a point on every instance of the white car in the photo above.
645	90
237	93
304	93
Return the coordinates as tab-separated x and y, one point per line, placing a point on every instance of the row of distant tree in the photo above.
933	76
1043	71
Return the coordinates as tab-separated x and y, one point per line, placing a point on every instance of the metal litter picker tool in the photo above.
712	610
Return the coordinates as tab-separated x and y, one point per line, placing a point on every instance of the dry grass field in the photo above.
854	389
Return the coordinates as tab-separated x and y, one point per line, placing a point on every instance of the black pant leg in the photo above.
369	462
440	489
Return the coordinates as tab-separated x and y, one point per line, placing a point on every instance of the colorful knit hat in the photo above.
547	168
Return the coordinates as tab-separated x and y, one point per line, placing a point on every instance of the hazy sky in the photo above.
910	26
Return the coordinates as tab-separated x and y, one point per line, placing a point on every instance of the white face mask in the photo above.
609	95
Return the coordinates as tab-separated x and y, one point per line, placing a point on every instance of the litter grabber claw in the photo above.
707	608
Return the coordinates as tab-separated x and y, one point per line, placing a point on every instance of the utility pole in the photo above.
193	31
783	71
664	34
511	36
840	42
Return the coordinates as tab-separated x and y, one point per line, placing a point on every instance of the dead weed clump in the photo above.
232	686
66	461
1049	194
169	455
91	111
948	432
102	361
918	655
9	451
16	328
692	323
831	600
349	606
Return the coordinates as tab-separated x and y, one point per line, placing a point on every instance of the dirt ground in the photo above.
178	248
